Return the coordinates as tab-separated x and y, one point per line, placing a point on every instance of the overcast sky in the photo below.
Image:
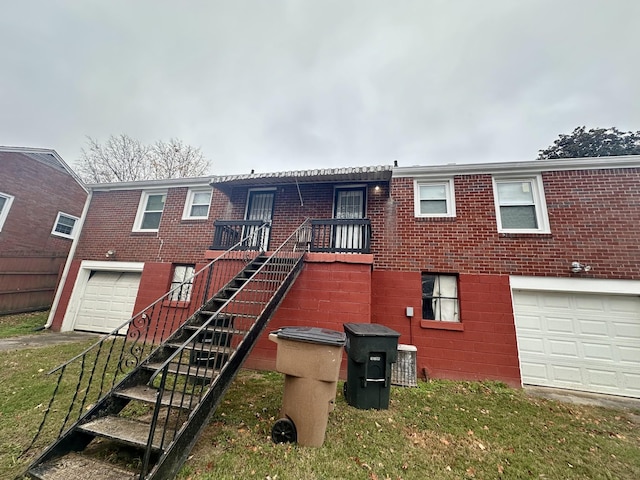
290	84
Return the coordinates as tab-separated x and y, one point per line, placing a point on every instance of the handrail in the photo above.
115	331
116	355
206	324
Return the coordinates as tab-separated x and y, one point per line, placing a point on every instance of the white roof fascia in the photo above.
535	166
151	184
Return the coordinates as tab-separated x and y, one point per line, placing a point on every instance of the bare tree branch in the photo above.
123	159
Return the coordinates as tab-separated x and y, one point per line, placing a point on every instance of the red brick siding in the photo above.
594	218
40	192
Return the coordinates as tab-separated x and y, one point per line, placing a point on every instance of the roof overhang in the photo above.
380	173
528	167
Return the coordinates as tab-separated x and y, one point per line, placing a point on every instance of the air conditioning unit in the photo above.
404	371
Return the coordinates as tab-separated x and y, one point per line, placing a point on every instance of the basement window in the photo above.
181	283
440	297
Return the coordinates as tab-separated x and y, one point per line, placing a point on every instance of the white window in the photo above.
182	283
150	211
520	205
65	226
434	198
440	297
5	204
197	204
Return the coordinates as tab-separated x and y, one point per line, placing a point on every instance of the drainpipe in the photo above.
67	265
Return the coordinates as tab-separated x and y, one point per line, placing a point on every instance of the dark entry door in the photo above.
349	204
259	207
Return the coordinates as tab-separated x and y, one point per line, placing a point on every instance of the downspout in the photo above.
67	265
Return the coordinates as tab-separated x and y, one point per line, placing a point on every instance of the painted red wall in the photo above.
482	346
331	290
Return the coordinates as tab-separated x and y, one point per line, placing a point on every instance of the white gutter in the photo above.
67	265
535	166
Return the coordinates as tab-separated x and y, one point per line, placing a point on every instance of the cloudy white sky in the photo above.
293	84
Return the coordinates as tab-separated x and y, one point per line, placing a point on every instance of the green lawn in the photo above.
441	429
22	324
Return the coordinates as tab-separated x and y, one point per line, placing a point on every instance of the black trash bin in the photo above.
371	349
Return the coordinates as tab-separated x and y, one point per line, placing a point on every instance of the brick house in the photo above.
41	202
525	272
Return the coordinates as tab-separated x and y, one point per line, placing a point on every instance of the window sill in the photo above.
435	219
524	234
439	325
175	304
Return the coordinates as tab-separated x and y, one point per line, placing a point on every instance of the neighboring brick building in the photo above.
41	202
523	272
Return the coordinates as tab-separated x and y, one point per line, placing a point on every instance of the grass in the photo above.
441	429
22	323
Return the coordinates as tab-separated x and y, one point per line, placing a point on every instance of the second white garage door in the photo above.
108	301
588	342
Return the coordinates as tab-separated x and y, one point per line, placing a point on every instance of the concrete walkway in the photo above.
586	398
44	339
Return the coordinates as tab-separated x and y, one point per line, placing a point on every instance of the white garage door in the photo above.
588	342
108	301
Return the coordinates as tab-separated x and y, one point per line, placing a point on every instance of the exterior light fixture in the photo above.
577	267
110	254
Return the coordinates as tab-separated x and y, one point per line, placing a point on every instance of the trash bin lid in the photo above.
323	336
369	330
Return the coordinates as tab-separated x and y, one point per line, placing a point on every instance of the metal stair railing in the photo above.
242	317
89	376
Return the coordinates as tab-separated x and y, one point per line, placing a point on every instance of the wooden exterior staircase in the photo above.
133	406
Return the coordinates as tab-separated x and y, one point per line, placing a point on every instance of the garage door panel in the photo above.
603	378
560	325
532	345
108	301
583	341
567	375
554	302
629	354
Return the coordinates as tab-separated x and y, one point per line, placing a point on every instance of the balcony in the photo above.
327	236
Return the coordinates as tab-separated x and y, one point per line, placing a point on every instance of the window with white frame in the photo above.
440	297
196	206
434	198
150	211
65	225
520	205
5	205
182	283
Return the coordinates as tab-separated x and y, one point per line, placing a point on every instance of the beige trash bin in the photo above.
310	358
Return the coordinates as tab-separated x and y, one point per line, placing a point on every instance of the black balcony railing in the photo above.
229	232
330	236
340	235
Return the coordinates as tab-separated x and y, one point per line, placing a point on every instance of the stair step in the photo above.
79	467
225	330
126	431
194	371
203	347
149	395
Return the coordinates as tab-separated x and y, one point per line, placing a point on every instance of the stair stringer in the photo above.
171	461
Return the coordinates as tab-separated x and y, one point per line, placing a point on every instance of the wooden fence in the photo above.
27	283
